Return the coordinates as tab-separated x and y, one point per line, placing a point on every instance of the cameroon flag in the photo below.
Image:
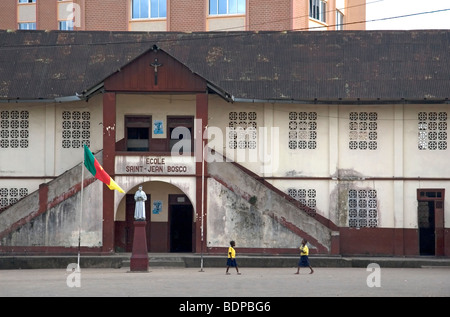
97	170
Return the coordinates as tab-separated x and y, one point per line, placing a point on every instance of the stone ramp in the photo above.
260	212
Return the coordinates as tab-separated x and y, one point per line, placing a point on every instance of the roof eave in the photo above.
344	101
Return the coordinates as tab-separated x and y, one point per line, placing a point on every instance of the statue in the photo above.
139	212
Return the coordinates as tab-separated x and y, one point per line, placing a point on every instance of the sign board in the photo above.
155	165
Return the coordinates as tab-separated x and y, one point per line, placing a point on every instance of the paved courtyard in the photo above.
212	282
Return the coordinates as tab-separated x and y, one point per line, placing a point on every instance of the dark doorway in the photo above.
181	223
430	221
426	228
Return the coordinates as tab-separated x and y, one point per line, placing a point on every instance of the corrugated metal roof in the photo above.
284	66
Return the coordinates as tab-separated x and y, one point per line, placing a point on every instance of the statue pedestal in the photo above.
139	256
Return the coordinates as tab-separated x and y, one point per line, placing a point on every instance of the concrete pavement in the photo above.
191	260
253	283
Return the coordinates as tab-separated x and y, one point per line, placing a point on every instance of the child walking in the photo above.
231	261
304	259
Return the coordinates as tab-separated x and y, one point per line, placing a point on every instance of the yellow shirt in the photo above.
304	250
232	251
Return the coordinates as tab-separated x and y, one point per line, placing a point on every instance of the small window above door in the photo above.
138	133
181	128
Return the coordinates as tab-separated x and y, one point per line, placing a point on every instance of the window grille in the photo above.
10	196
432	130
363	131
242	132
14	129
306	197
302	130
76	129
362	208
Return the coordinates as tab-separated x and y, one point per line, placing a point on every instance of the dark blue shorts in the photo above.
304	261
231	262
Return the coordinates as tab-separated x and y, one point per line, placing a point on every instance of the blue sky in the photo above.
379	9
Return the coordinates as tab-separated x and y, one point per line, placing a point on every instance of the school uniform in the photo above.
231	261
304	260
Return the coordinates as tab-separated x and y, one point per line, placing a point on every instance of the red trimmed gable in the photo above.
140	76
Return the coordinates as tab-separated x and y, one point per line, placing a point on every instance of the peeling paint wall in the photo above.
60	226
231	217
271	222
60	222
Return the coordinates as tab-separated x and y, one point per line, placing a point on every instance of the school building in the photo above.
183	15
264	138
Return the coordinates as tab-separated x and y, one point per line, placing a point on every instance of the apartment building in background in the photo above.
183	15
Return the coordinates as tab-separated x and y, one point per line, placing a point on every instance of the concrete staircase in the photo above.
38	219
268	216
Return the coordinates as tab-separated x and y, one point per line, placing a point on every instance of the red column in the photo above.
109	141
201	114
439	230
139	256
43	197
335	240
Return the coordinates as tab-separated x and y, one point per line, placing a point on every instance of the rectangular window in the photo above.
432	132
140	9
323	11
138	133
302	130
144	9
10	196
217	7
306	197
158	8
242	130
27	1
363	132
14	129
76	129
180	128
362	208
318	9
27	26
339	20
66	25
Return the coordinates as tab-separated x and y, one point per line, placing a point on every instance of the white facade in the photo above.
311	155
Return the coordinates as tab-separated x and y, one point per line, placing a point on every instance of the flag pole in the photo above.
203	203
81	211
203	199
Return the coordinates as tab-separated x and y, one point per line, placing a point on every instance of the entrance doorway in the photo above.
425	219
181	224
430	221
170	229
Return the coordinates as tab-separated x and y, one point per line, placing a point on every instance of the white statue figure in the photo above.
140	197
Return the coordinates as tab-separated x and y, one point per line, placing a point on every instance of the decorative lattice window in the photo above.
9	196
14	129
306	197
362	208
242	130
363	131
302	130
432	131
76	129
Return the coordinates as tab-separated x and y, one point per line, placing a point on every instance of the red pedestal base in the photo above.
139	255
